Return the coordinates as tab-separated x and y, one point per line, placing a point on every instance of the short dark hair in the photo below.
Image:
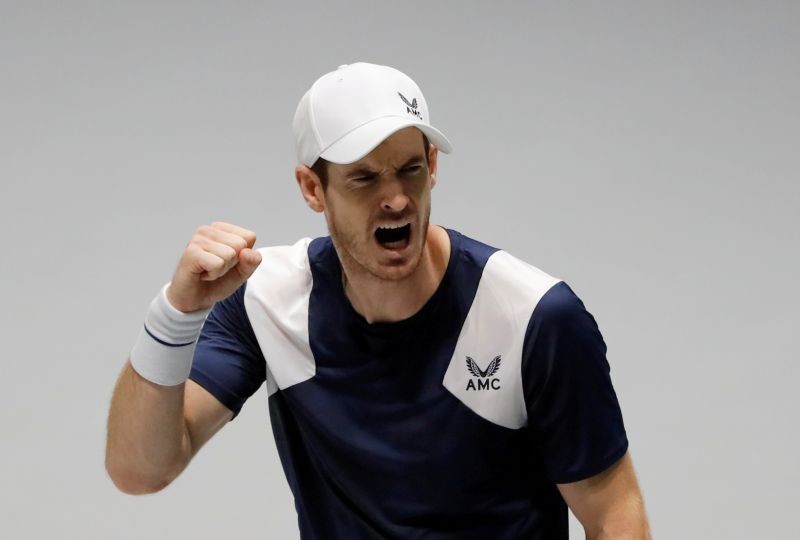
320	167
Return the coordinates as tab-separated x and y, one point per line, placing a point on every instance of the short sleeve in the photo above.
228	361
571	404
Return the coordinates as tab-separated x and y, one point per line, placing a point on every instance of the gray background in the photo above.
644	152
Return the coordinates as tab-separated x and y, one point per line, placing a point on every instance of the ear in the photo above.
433	155
311	187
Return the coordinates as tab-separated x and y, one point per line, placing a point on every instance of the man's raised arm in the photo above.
158	419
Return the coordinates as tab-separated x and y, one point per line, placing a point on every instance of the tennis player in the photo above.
421	384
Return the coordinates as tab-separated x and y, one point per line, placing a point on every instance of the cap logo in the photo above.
411	107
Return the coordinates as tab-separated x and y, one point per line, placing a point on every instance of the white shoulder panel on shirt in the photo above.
276	300
485	372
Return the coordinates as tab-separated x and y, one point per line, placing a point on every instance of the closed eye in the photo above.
363	179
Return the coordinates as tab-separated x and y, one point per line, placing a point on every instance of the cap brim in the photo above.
363	140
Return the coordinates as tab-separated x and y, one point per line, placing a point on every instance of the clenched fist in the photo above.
218	259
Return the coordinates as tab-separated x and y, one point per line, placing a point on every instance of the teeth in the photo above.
393	225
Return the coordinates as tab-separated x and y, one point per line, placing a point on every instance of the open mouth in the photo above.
394	237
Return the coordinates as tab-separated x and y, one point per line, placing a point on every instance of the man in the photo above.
421	383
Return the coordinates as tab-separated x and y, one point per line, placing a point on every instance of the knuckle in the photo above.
230	253
216	266
239	244
195	248
192	249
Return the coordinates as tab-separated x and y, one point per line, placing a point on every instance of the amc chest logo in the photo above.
482	379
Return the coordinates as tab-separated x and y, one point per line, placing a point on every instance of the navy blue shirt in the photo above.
457	422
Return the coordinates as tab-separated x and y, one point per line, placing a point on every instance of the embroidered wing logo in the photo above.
491	369
473	367
412	104
493	366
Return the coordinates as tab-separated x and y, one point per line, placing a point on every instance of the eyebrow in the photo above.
367	171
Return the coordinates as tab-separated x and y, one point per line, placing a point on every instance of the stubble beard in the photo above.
354	252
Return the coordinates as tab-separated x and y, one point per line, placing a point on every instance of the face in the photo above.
378	208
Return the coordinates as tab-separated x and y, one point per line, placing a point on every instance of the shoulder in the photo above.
294	255
503	275
277	304
286	262
541	304
283	276
511	276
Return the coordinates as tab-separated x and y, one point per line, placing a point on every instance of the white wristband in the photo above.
163	353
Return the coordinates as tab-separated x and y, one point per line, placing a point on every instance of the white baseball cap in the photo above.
348	112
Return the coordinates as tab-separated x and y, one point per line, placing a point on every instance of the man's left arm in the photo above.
609	505
576	420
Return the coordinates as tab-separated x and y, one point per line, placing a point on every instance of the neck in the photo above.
380	300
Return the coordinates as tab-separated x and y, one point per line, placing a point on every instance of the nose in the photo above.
393	195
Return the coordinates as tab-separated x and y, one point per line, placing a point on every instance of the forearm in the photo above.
147	444
627	522
151	437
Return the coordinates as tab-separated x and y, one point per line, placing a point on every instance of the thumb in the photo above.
249	260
